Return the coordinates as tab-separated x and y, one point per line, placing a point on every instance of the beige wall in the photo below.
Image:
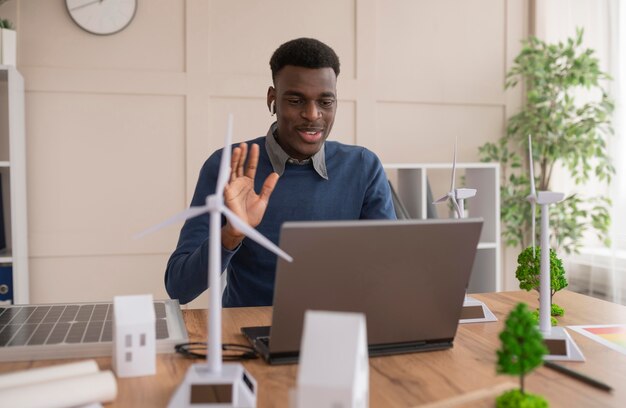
118	126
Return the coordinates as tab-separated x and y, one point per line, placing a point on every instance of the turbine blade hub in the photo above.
214	202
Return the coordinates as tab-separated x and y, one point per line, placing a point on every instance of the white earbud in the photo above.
273	108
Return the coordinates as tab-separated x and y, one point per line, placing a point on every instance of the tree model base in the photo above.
515	399
561	347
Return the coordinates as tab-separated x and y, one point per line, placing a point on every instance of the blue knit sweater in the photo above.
356	188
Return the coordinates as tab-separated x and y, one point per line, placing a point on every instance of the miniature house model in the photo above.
334	366
134	337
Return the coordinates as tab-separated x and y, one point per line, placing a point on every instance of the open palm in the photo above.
239	194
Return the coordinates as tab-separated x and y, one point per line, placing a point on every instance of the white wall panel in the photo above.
244	34
444	51
154	40
96	279
422	133
110	168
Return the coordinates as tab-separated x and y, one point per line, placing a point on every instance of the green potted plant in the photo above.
567	130
8	43
521	352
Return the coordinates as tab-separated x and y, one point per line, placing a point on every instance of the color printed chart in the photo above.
610	335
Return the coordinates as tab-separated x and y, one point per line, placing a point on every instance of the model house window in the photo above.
142	339
129	356
129	340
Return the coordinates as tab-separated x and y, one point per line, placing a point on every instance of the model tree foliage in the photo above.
529	268
565	131
521	352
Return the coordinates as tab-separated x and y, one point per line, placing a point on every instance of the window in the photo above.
599	270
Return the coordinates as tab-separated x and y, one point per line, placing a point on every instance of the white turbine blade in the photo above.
254	234
181	216
453	167
224	174
442	199
531	165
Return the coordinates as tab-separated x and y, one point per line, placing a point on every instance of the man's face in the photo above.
306	102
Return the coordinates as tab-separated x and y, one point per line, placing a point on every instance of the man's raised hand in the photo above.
239	194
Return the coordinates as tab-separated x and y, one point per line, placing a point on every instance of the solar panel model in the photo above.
77	330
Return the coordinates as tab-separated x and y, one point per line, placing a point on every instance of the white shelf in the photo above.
6	256
411	184
13	173
487	245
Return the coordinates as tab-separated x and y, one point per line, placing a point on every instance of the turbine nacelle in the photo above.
549	197
463	193
214	202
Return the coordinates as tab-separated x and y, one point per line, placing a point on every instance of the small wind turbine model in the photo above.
230	384
560	344
474	310
457	195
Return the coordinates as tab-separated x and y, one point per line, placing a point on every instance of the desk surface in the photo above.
439	377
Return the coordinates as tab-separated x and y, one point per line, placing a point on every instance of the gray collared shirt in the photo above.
278	157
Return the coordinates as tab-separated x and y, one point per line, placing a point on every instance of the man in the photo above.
319	180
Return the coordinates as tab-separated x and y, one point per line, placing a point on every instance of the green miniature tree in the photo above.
528	269
553	321
521	352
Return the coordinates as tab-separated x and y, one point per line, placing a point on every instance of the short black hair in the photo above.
304	52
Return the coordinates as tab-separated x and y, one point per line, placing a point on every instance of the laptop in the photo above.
407	276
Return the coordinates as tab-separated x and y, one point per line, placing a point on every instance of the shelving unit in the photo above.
412	187
13	175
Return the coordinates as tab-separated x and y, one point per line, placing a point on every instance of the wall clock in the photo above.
102	17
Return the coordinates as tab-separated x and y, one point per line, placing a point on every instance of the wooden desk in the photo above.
412	379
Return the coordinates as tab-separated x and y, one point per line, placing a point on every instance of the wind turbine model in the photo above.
474	310
229	385
457	195
560	345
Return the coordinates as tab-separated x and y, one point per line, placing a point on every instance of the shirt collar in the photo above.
278	157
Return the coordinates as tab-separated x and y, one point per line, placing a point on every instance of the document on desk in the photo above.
612	336
79	384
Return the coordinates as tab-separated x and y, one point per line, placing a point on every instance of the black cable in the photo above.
198	350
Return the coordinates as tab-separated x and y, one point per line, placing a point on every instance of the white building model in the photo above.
334	366
134	336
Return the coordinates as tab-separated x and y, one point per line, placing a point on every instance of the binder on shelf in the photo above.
6	284
3	242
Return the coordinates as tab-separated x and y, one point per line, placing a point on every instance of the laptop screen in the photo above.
408	277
